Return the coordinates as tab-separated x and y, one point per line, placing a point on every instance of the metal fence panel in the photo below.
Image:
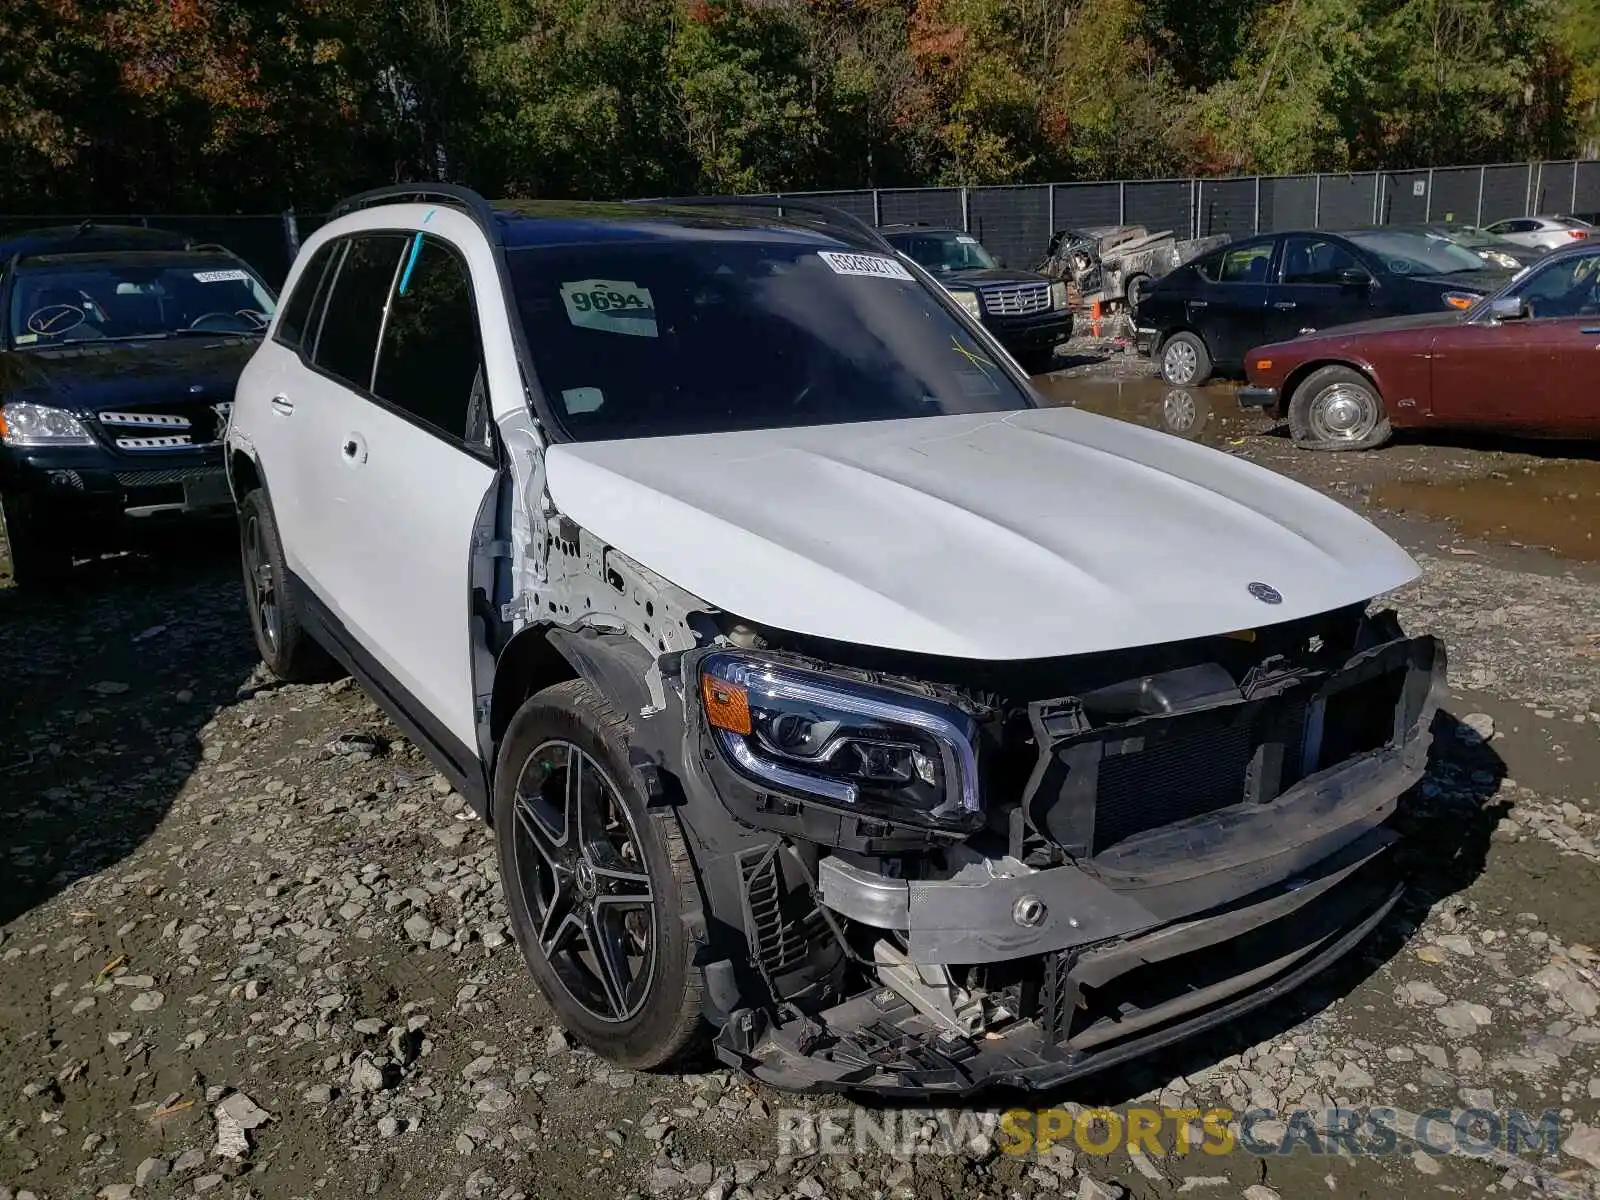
1405	198
1455	195
1552	187
1347	201
1288	202
858	204
1085	205
1227	206
929	206
1587	204
1012	222
1161	204
1505	192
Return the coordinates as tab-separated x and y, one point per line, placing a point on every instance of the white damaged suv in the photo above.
826	693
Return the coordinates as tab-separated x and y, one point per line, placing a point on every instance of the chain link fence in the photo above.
1016	222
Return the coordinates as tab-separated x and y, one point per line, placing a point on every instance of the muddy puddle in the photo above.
1197	414
1555	506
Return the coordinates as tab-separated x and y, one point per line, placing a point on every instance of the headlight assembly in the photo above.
38	425
1058	294
968	299
849	744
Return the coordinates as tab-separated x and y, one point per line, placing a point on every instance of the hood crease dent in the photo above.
987	536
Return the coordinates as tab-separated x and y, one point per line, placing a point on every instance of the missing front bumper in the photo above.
1083	1021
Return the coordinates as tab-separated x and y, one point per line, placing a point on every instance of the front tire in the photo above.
285	645
40	555
1336	408
596	883
1185	361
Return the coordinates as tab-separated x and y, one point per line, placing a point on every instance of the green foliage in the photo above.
228	104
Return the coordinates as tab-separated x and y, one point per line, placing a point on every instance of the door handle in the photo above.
1592	330
1198	304
282	405
354	449
1285	305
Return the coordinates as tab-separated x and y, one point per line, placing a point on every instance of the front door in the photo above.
427	468
1563	346
1320	284
1531	372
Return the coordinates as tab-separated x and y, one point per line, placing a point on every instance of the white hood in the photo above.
986	536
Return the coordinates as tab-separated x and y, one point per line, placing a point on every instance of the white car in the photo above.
823	689
1546	233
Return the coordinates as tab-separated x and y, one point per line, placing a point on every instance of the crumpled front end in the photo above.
1152	854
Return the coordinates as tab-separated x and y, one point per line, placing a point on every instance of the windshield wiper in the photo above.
214	333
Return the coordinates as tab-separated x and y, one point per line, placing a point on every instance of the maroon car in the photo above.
1525	360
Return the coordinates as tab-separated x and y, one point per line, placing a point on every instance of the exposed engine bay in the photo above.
1020	872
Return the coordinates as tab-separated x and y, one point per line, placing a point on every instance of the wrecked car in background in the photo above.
821	687
1116	263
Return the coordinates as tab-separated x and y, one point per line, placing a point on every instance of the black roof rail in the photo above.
830	214
453	195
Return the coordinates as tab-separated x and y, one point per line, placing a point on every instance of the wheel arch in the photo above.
1298	375
542	656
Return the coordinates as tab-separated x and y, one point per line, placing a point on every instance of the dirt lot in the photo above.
221	893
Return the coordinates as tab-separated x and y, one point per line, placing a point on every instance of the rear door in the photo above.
425	468
1229	309
1312	292
328	404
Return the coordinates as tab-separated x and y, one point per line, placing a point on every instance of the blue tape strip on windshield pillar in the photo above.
405	277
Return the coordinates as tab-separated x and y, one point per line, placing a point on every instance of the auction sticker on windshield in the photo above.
872	265
232	276
611	306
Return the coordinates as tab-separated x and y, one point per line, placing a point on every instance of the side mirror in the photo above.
1354	277
1508	308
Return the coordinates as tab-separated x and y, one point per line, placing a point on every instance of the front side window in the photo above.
1567	288
348	342
1316	260
130	297
743	329
430	362
1417	253
943	251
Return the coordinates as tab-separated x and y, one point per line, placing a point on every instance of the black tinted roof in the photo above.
557	222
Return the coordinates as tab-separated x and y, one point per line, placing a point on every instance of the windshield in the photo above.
143	296
942	251
1417	253
648	338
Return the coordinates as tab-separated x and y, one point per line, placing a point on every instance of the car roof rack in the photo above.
452	195
829	214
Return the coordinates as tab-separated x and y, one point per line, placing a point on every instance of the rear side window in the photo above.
292	326
348	342
430	361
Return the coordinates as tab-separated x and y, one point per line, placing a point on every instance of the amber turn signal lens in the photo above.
1242	635
727	704
1458	301
1263	364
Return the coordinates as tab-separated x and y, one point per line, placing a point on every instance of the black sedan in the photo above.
1206	315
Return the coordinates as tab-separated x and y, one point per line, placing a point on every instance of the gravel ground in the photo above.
252	945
